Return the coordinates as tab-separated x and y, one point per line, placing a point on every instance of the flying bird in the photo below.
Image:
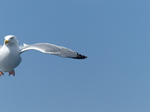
10	53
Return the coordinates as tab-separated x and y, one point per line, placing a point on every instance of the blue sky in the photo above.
115	36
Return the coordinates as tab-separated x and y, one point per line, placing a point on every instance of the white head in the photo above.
10	39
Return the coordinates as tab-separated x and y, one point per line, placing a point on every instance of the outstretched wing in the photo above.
52	49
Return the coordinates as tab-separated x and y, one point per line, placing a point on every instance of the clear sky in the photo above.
114	34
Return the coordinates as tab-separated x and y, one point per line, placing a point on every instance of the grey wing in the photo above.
52	49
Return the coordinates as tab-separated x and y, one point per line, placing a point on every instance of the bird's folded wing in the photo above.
52	49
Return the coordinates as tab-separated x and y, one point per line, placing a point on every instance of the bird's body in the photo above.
9	58
10	53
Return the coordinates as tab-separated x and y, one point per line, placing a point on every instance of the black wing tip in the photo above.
79	56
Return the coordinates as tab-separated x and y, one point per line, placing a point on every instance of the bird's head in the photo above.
10	39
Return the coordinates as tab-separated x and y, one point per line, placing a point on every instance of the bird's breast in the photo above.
9	60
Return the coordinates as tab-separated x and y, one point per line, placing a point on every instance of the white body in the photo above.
9	57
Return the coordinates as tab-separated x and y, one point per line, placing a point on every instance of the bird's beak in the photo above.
6	41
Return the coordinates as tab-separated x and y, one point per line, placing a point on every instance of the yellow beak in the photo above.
6	41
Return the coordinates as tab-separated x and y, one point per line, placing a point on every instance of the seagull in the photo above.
10	53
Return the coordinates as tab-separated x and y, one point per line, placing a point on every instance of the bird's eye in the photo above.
11	38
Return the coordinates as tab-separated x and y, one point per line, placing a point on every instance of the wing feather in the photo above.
52	49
